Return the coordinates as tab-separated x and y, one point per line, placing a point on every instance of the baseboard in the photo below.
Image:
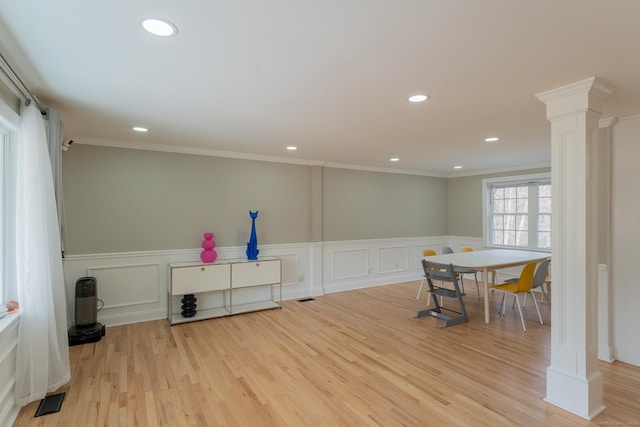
132	317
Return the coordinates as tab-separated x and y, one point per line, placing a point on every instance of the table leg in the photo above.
485	273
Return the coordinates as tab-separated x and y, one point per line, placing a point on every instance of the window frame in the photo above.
4	142
533	211
9	122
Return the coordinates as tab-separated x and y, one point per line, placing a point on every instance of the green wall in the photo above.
465	202
119	200
369	205
125	200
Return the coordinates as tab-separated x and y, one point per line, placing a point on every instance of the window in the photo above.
8	119
3	217
518	211
4	136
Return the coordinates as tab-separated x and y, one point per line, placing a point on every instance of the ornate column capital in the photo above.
582	96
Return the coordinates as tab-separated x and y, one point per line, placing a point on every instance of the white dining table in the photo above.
489	260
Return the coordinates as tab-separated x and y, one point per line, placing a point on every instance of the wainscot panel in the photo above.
365	263
8	342
134	286
393	259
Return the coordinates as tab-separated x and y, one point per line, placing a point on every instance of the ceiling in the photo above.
248	78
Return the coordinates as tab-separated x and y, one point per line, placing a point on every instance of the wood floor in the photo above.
356	358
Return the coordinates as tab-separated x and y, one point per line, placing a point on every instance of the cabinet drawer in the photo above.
255	273
199	278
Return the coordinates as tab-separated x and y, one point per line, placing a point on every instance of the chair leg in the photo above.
475	276
544	296
524	328
537	309
502	303
441	298
420	289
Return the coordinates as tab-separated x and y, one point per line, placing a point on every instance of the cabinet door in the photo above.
199	278
255	273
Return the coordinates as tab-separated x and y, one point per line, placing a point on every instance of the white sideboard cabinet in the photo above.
256	285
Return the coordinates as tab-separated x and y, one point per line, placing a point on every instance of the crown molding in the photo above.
501	170
134	145
607	122
384	170
104	142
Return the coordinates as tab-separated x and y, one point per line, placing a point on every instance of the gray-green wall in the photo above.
122	200
465	202
119	200
369	205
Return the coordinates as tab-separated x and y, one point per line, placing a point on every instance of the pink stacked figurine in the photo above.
208	254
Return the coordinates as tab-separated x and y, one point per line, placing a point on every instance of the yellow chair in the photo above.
540	279
425	253
524	285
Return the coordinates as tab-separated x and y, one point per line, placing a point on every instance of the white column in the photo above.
573	380
605	140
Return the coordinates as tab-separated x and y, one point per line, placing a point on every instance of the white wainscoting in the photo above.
133	285
139	280
457	242
8	347
364	263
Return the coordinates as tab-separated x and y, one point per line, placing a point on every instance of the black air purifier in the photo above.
86	328
86	302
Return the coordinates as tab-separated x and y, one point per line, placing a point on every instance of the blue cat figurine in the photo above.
252	245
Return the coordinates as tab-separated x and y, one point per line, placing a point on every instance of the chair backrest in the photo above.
467	249
526	277
541	273
446	250
441	272
428	252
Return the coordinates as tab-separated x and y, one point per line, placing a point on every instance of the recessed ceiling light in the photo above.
292	148
457	167
418	98
491	139
140	129
394	159
159	27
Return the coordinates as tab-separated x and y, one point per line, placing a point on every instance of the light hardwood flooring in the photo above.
356	358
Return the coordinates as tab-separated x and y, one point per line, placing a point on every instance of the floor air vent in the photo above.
50	404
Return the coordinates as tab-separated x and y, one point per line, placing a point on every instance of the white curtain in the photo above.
43	353
54	128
